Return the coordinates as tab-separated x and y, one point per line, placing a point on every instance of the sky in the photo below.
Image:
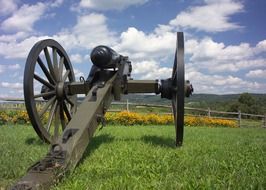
225	40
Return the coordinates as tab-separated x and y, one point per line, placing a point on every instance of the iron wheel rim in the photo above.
58	107
178	82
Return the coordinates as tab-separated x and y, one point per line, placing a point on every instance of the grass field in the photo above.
144	157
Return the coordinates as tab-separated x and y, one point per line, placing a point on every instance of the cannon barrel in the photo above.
105	57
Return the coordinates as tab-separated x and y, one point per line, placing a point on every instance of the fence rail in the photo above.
242	118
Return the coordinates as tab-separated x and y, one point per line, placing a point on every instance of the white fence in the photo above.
243	119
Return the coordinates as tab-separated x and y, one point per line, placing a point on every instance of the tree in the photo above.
246	99
246	104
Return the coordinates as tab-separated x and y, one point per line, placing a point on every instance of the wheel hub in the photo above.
166	88
188	89
60	92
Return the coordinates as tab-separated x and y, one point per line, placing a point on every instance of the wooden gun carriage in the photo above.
50	92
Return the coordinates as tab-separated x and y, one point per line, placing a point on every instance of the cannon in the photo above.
50	92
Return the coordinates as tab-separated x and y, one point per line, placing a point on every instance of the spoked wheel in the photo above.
175	89
178	83
47	71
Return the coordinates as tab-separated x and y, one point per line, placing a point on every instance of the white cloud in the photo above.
216	57
19	49
150	69
66	39
207	58
162	29
7	7
87	57
261	46
259	73
57	3
16	86
251	63
90	31
78	74
207	49
110	5
159	73
13	37
11	67
14	67
143	67
139	45
76	58
2	68
17	75
220	84
24	18
211	17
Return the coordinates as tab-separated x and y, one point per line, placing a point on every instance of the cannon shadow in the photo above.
93	145
34	141
159	141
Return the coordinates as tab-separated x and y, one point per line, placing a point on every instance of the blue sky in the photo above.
225	40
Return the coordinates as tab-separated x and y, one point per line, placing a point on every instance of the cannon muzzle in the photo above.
105	57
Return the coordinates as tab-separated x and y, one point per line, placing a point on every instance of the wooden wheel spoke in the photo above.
68	99
68	114
47	105
46	72
51	116
61	66
62	116
43	81
55	63
65	75
57	118
44	94
49	62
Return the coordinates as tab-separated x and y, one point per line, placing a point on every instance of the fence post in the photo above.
239	118
127	106
209	112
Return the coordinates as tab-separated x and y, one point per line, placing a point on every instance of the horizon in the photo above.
194	94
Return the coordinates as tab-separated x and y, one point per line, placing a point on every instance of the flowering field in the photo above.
133	118
14	117
129	118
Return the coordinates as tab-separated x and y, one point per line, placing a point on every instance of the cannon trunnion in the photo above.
50	92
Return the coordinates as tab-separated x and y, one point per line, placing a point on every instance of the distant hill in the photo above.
213	101
194	98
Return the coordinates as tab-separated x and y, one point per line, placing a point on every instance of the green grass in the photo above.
251	123
19	148
144	157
